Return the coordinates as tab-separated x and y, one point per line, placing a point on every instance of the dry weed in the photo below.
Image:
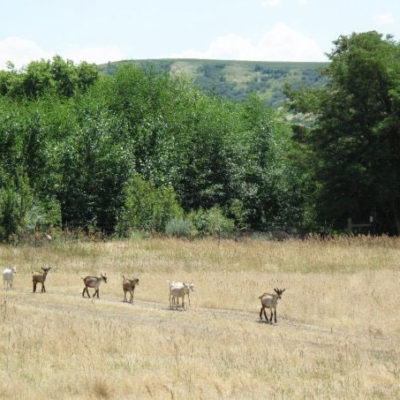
337	335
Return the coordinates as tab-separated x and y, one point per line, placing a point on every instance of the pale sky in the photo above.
263	30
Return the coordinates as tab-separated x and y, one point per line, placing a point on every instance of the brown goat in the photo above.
40	277
128	285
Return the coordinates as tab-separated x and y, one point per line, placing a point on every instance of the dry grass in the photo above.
337	335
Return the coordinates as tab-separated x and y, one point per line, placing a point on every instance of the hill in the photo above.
236	79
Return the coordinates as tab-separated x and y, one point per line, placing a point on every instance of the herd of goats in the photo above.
177	290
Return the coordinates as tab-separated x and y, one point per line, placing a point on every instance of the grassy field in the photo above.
337	336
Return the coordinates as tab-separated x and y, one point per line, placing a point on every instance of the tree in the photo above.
94	165
146	206
272	190
355	136
39	78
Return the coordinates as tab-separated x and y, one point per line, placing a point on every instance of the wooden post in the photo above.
349	226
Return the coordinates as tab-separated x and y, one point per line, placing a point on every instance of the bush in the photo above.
147	207
15	202
211	222
10	213
179	228
239	214
42	216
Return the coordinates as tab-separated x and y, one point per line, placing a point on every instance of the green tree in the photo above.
355	136
94	166
272	190
147	207
42	77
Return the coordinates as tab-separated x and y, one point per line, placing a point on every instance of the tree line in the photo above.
143	150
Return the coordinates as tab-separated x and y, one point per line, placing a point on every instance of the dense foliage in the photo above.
353	146
136	151
142	149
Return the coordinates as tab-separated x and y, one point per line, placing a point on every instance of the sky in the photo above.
99	31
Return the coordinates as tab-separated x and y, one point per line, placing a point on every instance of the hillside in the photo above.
236	79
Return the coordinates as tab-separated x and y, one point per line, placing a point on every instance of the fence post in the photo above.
349	226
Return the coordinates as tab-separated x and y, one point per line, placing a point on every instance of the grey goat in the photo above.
270	301
93	282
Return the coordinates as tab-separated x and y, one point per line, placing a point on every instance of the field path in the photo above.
150	313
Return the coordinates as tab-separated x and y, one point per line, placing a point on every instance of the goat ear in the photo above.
283	290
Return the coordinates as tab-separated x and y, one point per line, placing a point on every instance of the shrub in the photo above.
42	216
179	228
211	222
239	214
11	213
147	207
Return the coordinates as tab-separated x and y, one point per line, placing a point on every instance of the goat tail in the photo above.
260	297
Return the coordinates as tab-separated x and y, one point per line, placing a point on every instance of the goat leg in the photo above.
132	294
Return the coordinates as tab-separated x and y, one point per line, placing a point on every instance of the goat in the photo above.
179	290
93	282
174	285
40	277
270	301
128	285
8	277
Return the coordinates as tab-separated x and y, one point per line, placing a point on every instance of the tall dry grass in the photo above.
337	335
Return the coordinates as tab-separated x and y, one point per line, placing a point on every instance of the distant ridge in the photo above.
236	79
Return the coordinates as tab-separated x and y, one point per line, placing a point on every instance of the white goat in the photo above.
93	282
179	290
173	285
8	277
270	301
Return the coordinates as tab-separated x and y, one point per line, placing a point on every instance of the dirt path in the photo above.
111	309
